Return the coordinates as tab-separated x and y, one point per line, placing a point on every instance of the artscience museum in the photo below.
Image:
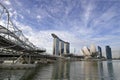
89	52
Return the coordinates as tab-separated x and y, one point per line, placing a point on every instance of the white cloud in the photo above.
38	17
28	11
87	13
79	33
87	7
43	39
27	30
7	2
105	17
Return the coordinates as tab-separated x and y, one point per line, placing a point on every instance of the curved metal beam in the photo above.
11	30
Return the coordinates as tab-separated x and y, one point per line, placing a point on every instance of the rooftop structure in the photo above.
60	47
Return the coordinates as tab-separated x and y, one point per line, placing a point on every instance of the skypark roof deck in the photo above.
55	36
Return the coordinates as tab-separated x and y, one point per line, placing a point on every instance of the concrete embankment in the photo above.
17	66
11	65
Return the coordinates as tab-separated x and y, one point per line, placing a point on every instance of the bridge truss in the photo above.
12	40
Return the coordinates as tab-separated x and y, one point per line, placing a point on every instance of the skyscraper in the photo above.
100	51
60	47
108	52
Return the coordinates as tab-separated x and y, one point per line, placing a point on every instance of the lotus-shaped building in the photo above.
88	53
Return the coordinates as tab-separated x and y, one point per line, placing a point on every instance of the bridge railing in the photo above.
9	31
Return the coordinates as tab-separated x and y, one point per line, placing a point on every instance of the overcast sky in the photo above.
80	22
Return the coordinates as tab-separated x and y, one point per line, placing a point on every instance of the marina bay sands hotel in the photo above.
60	47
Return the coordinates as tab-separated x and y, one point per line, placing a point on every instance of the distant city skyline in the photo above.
80	22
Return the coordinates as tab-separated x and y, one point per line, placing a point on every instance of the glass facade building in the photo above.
108	52
100	52
60	47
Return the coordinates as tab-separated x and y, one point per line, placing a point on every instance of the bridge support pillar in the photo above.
29	59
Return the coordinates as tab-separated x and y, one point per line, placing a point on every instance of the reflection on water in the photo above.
11	74
78	70
110	70
91	71
96	71
56	71
61	70
84	70
100	69
109	74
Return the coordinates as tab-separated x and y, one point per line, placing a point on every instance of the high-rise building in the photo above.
66	47
99	52
60	47
108	52
56	46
